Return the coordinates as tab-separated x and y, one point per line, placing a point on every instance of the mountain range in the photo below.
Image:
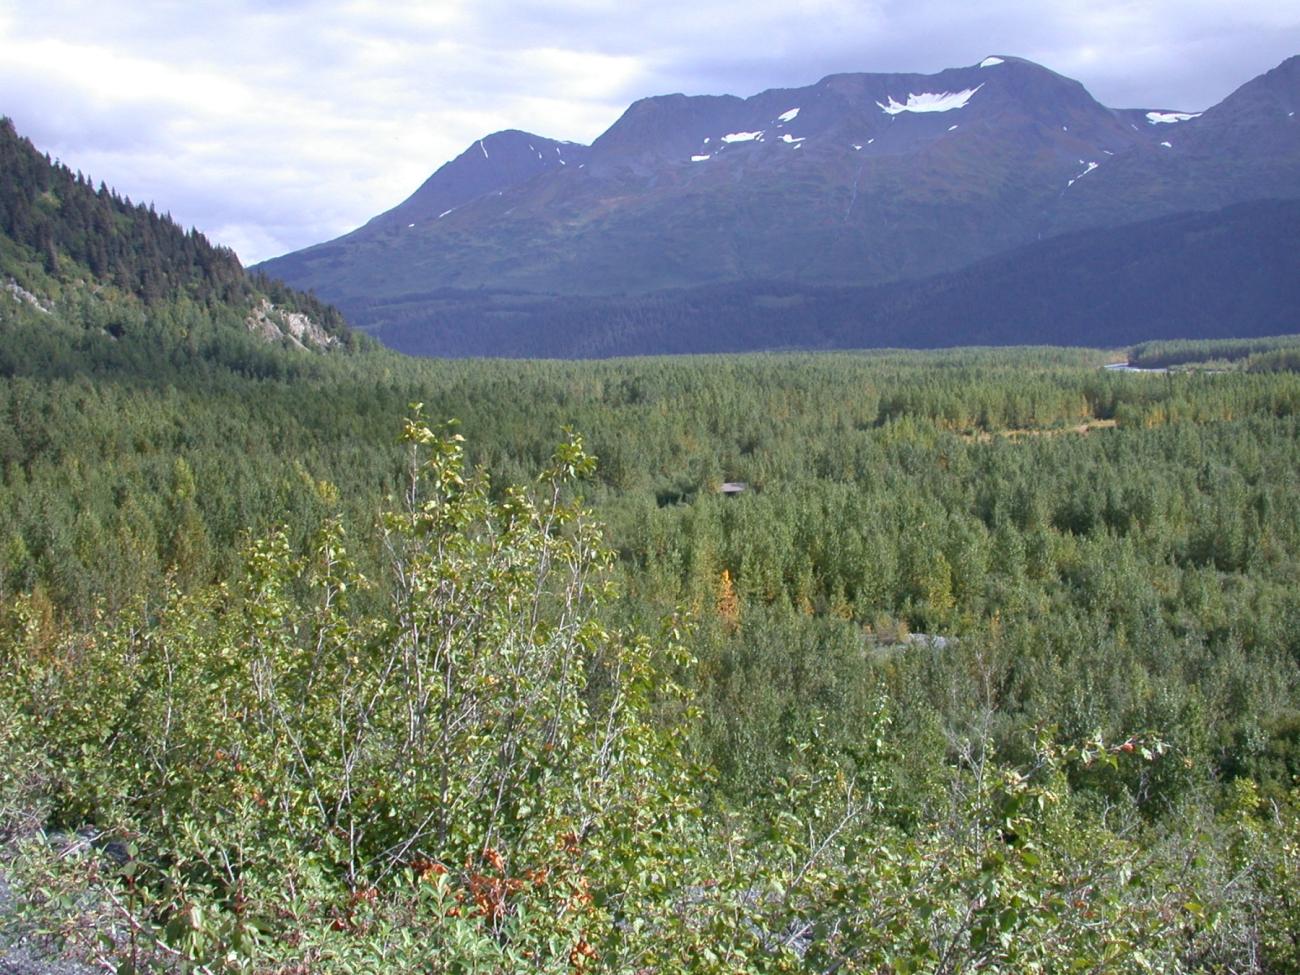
856	181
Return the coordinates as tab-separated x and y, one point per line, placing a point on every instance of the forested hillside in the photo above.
57	229
57	214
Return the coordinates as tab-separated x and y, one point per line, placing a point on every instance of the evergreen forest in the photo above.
319	658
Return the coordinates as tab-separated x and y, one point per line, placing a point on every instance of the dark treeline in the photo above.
1213	275
1177	352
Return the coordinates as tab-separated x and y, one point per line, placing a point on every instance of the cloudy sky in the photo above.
273	124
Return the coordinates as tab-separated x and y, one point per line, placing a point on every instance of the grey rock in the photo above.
23	959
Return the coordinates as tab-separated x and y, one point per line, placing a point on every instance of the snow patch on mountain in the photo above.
990	62
930	102
741	137
698	158
1091	166
791	140
1168	118
788	116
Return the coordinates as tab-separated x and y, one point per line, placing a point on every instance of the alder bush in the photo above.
478	760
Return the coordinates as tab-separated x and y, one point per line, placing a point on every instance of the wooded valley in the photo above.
990	666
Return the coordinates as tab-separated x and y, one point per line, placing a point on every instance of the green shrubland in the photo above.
333	708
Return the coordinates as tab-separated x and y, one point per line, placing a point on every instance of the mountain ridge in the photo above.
1245	147
856	179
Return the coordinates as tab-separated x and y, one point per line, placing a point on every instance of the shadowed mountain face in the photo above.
1221	274
858	179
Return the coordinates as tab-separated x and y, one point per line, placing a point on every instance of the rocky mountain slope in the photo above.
856	180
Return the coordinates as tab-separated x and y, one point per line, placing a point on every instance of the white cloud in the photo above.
105	76
272	124
580	76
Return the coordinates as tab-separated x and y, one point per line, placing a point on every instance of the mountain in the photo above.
493	163
1228	273
856	180
1245	148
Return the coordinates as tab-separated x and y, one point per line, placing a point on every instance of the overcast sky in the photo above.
273	124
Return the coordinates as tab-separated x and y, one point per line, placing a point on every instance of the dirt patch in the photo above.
1085	428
